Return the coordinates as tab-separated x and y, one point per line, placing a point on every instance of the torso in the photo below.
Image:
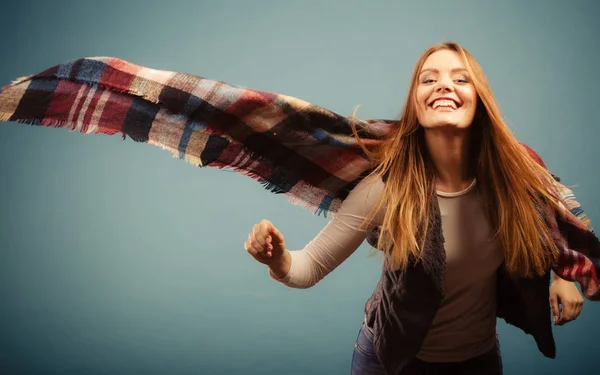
465	323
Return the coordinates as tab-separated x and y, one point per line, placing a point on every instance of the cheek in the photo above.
470	98
421	112
421	98
474	105
421	94
472	95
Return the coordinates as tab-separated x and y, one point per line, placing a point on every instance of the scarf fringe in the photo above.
59	124
269	186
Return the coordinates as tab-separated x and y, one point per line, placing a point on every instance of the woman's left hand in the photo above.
565	293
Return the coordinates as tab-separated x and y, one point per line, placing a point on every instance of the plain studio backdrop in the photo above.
116	258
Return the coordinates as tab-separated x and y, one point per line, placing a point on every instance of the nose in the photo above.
444	85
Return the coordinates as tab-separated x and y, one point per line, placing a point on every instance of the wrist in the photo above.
280	267
555	277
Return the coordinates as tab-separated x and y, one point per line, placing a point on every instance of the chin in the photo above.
446	125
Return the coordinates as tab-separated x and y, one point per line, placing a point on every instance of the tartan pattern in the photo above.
289	145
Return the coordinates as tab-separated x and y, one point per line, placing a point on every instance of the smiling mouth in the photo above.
444	105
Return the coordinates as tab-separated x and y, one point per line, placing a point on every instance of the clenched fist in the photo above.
566	300
266	244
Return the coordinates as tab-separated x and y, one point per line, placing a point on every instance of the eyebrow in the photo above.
437	71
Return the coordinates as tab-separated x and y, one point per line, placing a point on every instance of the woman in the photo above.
469	223
461	209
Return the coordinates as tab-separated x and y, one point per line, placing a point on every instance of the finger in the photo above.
258	252
555	309
249	244
265	231
264	237
277	236
579	307
257	233
259	249
252	243
567	314
265	224
250	249
576	309
568	311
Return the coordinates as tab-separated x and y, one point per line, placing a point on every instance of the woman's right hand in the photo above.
266	244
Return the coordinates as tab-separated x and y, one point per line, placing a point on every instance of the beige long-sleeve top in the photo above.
464	326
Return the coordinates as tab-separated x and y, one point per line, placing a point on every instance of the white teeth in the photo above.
444	103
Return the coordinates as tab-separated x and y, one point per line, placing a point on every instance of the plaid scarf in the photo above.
290	146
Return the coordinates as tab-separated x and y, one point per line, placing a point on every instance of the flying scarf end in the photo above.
18	81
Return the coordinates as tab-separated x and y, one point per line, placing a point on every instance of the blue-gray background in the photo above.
117	259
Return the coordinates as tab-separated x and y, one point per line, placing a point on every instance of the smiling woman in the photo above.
445	95
463	214
470	222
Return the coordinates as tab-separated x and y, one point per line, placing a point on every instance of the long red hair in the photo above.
516	189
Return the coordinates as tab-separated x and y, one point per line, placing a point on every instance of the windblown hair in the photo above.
516	190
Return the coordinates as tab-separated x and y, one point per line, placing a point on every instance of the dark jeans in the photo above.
365	362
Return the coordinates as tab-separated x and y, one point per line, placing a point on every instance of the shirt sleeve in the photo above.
338	239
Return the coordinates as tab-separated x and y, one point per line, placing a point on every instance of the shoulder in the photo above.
364	198
369	187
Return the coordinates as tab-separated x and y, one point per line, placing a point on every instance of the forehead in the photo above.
443	60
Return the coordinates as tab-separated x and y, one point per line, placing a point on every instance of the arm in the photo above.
580	256
580	259
334	243
565	299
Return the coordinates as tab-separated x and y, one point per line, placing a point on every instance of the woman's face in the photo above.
445	95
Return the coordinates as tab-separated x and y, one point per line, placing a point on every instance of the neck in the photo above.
449	150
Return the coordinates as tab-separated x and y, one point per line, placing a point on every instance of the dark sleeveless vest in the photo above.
404	303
